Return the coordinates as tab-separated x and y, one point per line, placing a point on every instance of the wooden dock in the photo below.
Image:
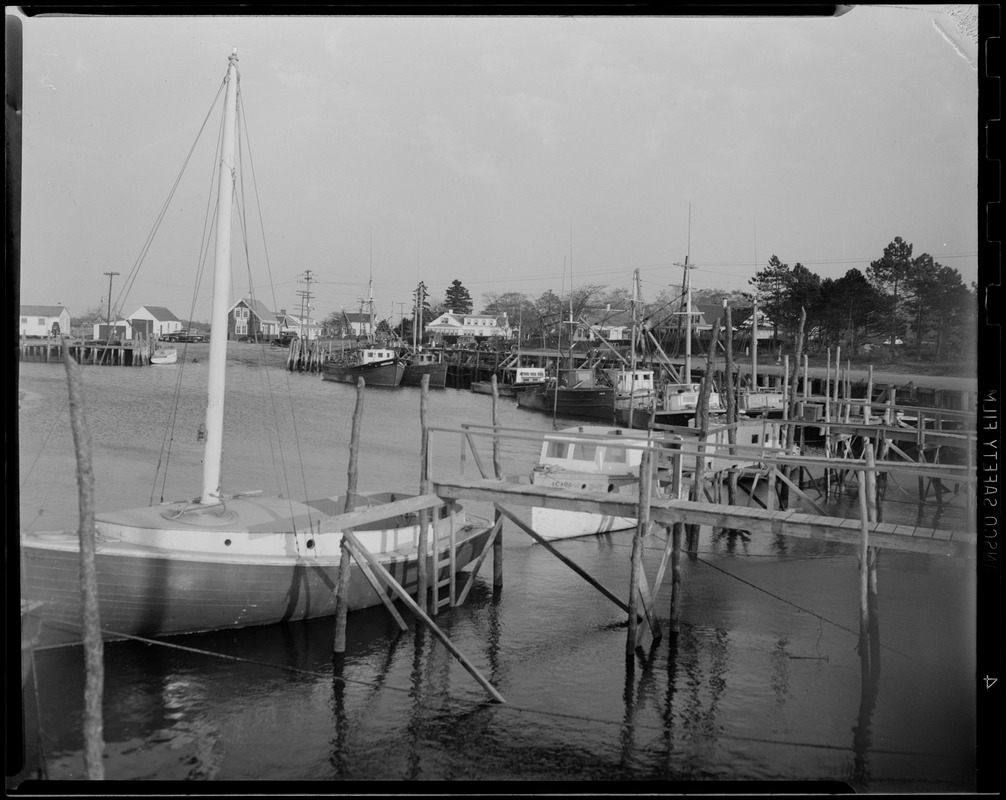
667	512
127	354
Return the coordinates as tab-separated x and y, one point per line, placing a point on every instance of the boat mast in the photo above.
221	295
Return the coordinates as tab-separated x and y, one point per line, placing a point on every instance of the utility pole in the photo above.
110	276
688	301
305	300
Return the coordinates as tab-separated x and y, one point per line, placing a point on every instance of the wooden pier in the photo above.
134	353
667	512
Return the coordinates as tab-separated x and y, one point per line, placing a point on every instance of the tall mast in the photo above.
221	295
688	301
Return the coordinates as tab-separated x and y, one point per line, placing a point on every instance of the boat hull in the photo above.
413	375
503	389
575	403
378	373
155	590
164	355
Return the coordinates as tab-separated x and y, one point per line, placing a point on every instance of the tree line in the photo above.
900	301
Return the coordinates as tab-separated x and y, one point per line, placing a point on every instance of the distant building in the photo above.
44	321
476	325
610	324
304	327
251	317
149	321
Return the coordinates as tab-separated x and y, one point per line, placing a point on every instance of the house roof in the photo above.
260	309
161	314
42	311
608	317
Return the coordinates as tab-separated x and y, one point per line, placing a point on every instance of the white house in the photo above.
304	327
613	325
477	325
153	321
44	320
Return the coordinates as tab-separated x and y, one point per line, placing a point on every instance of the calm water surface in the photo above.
762	683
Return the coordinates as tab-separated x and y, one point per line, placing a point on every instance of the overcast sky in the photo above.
508	153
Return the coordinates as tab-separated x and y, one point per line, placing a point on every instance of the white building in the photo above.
44	321
150	321
477	325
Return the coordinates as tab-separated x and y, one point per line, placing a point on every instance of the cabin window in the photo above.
556	450
754	438
615	455
584	451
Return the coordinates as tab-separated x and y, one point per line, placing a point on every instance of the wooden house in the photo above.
44	321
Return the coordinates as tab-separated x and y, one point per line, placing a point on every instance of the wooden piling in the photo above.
424	487
342	583
498	541
677	529
94	668
636	564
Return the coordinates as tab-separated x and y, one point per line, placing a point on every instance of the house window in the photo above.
41	320
24	320
241	328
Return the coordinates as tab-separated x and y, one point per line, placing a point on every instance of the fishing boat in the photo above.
233	559
762	403
523	378
164	355
678	406
578	394
422	363
378	366
592	458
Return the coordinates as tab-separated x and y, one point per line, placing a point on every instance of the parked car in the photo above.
284	339
185	336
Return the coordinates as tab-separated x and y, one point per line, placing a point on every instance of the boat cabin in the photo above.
638	382
685	397
529	375
599	450
372	355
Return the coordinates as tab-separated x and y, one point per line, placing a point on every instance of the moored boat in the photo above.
378	366
164	355
523	378
590	458
237	559
425	363
578	394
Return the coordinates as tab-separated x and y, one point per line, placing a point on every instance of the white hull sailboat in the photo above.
228	560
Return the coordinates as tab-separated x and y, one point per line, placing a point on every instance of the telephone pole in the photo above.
110	275
305	300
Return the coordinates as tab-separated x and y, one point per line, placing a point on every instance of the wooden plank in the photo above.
365	516
667	512
378	587
415	609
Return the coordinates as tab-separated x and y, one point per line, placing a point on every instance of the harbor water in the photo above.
762	682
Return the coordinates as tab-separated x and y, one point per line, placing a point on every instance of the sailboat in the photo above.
230	560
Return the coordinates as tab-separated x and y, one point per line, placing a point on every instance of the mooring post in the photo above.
636	564
677	529
94	667
424	487
498	540
342	599
864	580
342	583
354	447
